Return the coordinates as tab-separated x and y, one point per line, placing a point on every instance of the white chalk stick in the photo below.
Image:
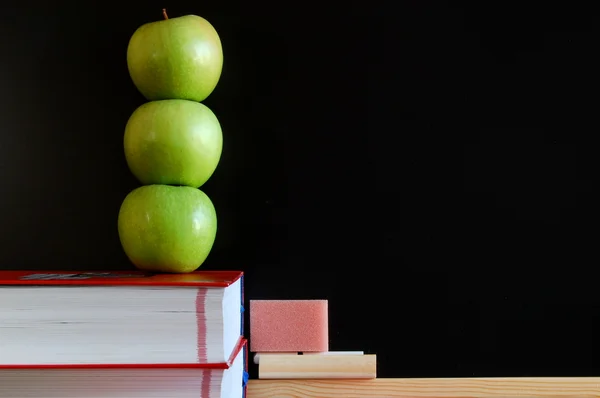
335	353
258	354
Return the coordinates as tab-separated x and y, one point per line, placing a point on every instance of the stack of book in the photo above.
126	335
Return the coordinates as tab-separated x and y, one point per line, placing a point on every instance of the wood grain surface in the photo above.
429	388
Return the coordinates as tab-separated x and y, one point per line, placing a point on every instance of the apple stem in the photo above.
165	13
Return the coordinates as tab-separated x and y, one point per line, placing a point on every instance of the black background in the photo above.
430	169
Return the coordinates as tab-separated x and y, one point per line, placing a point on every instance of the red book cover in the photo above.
199	278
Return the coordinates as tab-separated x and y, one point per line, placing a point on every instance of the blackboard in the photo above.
430	169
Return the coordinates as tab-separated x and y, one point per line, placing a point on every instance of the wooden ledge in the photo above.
551	387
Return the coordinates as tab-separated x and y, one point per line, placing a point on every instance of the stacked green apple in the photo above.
172	145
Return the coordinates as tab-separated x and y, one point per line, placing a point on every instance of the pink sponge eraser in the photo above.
288	326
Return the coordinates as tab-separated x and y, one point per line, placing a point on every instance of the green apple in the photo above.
173	142
176	58
167	229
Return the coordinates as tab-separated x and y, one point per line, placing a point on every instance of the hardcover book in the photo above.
224	380
119	318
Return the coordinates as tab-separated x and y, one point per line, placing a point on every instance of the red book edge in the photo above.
241	345
119	278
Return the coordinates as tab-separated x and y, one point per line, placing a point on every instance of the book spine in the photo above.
246	375
242	305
